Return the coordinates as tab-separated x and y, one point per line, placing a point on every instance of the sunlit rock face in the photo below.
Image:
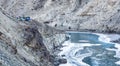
90	15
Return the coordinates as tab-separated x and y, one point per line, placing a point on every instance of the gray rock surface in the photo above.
82	15
25	43
32	43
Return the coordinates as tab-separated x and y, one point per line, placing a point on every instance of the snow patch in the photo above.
70	49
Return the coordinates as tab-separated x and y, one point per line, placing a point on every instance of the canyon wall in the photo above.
82	15
35	43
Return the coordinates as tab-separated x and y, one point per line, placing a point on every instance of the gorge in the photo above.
34	32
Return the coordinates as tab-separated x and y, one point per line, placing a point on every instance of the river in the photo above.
90	49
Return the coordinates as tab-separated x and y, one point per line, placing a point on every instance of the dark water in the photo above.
92	38
100	55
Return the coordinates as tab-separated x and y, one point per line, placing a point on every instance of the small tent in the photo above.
24	18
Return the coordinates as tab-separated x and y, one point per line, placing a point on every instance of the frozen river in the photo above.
90	49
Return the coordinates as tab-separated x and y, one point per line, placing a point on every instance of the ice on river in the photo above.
90	50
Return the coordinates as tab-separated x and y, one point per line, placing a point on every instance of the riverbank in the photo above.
70	49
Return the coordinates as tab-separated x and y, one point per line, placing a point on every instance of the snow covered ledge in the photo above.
108	37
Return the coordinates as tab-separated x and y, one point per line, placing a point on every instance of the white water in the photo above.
74	58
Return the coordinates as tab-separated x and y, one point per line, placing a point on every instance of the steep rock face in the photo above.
21	43
28	41
90	15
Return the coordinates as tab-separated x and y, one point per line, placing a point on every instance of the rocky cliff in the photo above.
34	43
92	15
27	43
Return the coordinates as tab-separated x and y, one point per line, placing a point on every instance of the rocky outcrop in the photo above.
25	43
116	41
